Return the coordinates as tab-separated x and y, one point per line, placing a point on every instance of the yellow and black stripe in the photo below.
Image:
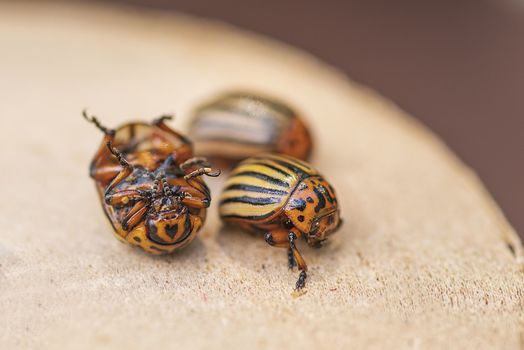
260	187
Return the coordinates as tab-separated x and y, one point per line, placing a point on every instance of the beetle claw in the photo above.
301	282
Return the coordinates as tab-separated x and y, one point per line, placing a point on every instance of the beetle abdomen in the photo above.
239	125
260	187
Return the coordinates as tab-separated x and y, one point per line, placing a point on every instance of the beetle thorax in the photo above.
313	208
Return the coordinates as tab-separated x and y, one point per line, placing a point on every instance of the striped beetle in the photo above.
283	198
150	185
238	125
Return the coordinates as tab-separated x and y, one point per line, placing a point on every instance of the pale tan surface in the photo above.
420	263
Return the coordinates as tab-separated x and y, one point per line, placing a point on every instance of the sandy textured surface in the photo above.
421	262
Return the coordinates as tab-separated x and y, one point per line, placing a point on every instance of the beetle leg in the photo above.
199	172
285	239
121	176
277	238
127	168
94	120
103	168
123	162
203	171
105	173
291	263
134	216
302	266
195	202
200	187
123	197
301	282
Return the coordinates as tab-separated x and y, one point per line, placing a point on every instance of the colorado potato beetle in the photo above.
284	199
238	125
150	184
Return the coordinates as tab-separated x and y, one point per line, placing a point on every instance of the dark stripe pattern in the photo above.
264	177
257	189
260	187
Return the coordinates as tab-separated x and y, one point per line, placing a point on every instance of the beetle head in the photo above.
323	226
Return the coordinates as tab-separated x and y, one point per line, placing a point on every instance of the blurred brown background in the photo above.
458	66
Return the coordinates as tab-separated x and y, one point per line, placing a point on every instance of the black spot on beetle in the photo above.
137	239
298	204
152	228
152	233
171	230
187	228
326	194
321	200
300	218
288	224
310	200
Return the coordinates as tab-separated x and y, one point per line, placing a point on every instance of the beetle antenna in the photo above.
94	120
167	189
156	184
118	155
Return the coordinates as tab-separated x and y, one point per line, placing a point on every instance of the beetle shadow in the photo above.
247	249
251	251
194	252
